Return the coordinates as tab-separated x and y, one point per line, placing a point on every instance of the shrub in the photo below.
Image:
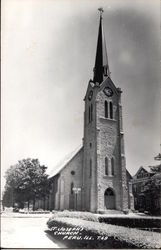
135	222
145	223
76	214
132	237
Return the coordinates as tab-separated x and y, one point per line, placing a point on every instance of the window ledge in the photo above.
107	176
107	119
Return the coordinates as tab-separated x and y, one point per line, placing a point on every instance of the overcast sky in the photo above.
48	55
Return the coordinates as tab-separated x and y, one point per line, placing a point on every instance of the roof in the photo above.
128	174
64	162
146	168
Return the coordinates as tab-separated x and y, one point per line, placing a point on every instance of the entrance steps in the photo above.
110	211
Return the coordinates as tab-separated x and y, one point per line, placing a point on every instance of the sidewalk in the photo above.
25	233
24	215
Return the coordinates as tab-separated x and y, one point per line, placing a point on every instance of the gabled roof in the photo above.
110	83
90	86
128	174
145	168
64	162
100	87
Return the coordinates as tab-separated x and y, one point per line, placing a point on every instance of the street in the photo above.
25	232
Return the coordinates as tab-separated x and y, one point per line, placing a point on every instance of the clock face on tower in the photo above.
108	91
90	95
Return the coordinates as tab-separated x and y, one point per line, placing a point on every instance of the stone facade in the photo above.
103	139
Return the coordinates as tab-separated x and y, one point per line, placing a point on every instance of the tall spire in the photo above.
101	69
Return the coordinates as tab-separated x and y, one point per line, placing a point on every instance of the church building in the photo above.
94	178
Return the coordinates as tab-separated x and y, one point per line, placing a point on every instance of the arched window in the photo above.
106	166
112	166
91	112
106	109
111	110
71	188
90	168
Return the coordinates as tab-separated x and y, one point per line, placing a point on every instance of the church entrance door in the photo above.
109	198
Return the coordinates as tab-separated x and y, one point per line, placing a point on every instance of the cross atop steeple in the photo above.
101	11
101	69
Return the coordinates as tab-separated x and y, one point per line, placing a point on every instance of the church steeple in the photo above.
101	69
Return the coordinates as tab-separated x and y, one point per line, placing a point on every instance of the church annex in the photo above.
94	178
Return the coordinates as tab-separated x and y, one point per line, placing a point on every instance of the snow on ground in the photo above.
28	230
25	233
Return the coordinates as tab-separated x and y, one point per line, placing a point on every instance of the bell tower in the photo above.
104	170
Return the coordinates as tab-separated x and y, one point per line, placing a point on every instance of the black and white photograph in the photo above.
80	124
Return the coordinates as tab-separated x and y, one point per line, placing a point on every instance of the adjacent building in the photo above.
146	185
